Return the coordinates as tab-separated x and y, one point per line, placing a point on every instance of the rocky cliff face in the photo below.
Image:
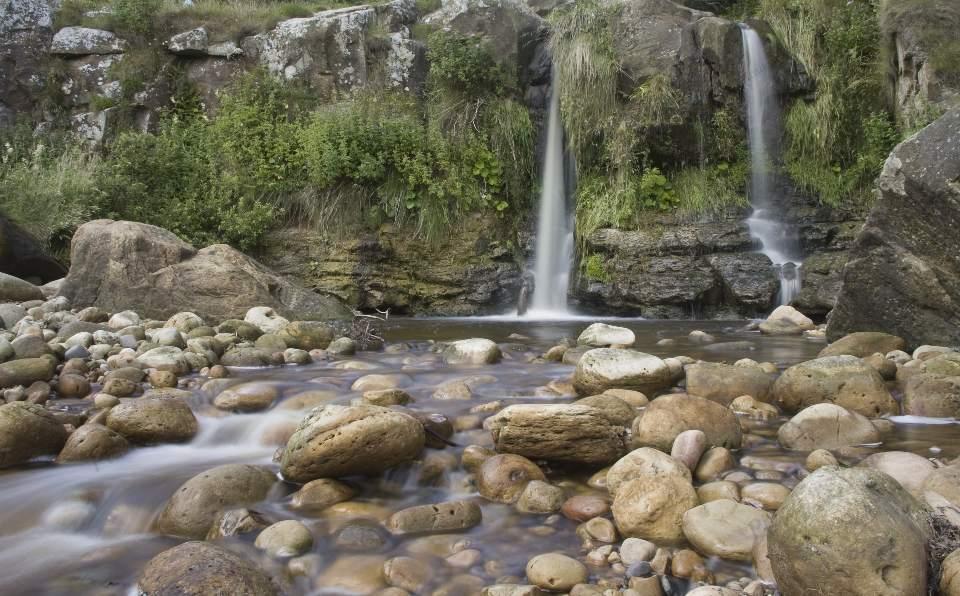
903	276
676	268
921	46
471	271
672	267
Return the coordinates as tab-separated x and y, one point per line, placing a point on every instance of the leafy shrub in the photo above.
463	64
135	16
827	148
209	181
46	188
710	189
409	168
594	269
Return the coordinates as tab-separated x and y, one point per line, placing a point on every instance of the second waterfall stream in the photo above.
762	132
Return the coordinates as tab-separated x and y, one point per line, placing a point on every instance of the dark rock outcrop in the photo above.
920	37
25	34
680	267
903	276
468	272
117	265
21	255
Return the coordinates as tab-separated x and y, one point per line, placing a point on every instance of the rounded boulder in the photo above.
669	415
334	441
193	508
201	568
609	368
852	531
844	380
28	431
149	420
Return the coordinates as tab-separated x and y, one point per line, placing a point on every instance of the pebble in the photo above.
556	572
407	573
584	507
637	550
688	447
287	538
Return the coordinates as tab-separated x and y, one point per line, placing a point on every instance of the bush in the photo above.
594	269
828	150
46	188
402	166
137	17
210	181
463	64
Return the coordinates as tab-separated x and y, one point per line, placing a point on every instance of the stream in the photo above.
86	528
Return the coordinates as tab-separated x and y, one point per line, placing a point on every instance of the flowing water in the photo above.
87	528
762	132
554	248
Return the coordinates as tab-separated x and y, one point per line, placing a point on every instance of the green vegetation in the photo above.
272	155
621	140
46	186
834	145
224	19
593	268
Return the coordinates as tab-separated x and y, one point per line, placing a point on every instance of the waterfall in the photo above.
762	133
554	248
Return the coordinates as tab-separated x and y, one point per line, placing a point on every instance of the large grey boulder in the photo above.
669	415
189	43
193	507
333	48
612	368
826	426
723	383
852	531
82	41
120	264
932	395
862	344
25	34
749	280
22	255
903	276
915	32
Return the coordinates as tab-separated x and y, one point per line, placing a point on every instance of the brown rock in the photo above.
200	569
558	432
502	478
669	415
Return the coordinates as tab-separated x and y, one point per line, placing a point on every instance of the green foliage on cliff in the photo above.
836	143
46	186
617	136
223	19
272	155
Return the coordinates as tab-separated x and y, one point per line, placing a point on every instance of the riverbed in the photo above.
87	528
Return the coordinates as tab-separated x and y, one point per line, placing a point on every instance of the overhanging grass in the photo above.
225	20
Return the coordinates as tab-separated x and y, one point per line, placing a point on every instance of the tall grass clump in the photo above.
46	186
585	70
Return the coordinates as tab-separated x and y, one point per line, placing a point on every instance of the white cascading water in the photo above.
554	250
762	127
